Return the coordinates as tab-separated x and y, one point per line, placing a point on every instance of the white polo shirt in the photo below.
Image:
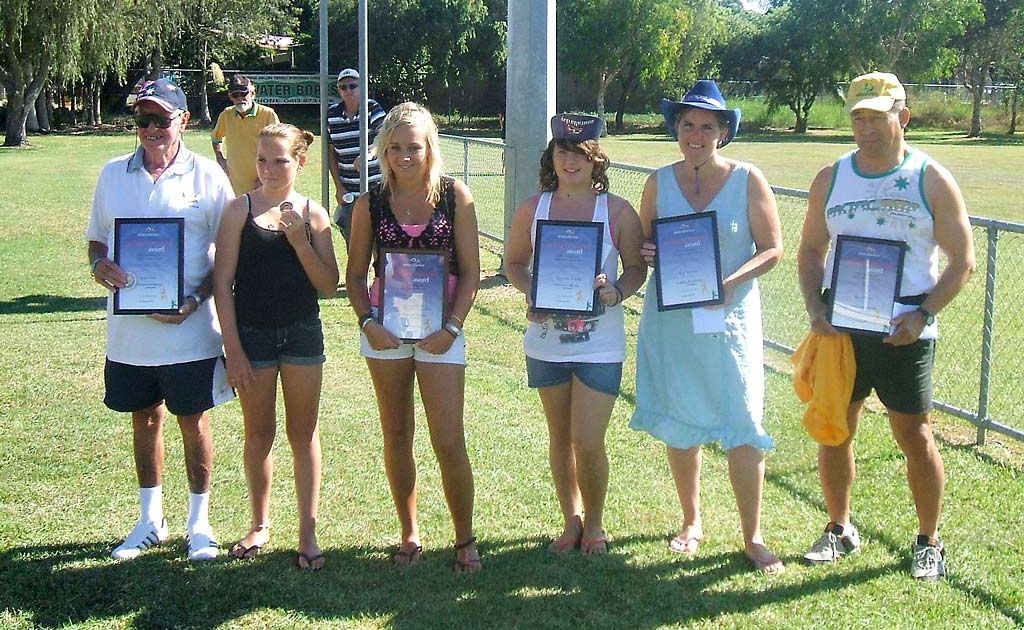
192	187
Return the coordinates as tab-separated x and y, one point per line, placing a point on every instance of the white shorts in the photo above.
456	353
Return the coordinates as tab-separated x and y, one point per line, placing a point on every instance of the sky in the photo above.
756	5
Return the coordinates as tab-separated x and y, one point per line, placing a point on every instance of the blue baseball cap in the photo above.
164	93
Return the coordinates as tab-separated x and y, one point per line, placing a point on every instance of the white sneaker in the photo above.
929	559
201	545
143	536
835	543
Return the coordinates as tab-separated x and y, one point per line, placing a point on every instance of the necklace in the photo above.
696	176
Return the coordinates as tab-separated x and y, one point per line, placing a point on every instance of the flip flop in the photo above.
685	545
408	553
472	565
309	560
771	566
556	548
241	552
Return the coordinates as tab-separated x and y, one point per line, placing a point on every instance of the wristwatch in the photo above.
929	318
453	330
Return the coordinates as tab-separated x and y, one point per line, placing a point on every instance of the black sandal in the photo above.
469	566
407	557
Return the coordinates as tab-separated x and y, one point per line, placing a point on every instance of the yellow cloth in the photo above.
242	133
824	372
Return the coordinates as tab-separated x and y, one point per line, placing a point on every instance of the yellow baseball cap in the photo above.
875	90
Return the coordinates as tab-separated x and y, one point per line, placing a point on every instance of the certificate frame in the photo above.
152	252
408	305
687	261
566	259
861	299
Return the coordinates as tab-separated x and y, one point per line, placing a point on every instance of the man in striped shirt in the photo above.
344	159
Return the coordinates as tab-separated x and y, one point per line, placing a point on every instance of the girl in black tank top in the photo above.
274	254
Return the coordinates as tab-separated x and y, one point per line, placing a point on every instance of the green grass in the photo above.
67	491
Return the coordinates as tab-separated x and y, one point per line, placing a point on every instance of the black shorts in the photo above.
186	388
900	375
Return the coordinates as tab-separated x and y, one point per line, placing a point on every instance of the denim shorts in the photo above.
298	343
602	377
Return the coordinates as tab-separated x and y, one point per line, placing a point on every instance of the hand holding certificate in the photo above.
866	275
687	266
566	260
413	292
151	253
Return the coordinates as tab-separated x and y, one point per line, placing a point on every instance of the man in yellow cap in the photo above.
884	189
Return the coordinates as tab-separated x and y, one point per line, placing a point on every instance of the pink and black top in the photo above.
438	233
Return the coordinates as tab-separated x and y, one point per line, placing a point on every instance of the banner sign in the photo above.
290	89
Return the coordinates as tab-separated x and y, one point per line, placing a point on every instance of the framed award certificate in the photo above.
687	265
866	275
413	292
566	259
152	253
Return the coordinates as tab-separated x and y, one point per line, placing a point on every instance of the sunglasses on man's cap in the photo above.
162	122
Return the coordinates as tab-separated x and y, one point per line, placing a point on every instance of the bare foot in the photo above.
570	538
687	541
250	546
594	545
763	559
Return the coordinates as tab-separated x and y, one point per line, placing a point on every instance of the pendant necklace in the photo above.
696	176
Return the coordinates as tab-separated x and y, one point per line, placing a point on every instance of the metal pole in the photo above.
465	161
986	334
325	138
529	97
364	99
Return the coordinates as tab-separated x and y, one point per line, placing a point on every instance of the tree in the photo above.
802	53
223	29
1013	62
36	34
981	49
626	40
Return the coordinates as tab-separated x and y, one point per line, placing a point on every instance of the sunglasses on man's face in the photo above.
241	94
348	86
162	122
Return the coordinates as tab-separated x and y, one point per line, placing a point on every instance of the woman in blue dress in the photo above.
699	374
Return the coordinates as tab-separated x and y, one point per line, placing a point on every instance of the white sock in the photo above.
198	512
152	500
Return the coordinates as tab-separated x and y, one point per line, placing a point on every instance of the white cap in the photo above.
348	73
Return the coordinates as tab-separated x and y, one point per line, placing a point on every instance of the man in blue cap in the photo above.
164	362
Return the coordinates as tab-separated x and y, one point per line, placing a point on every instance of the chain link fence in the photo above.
981	341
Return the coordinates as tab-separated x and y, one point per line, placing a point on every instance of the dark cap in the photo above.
576	127
163	93
239	83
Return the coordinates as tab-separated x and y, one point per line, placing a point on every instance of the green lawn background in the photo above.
67	490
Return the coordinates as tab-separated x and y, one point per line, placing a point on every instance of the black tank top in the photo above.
271	287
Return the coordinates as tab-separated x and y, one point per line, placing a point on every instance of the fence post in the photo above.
992	256
465	161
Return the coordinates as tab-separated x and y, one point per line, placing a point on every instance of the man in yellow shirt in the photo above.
240	126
